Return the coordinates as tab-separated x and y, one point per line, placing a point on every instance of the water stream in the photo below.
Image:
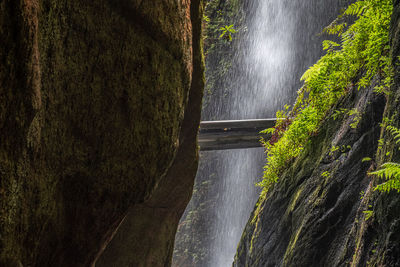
281	40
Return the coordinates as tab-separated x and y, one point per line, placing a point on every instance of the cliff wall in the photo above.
98	102
146	237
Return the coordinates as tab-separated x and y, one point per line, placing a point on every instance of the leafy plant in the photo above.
366	159
283	121
361	54
356	117
395	132
333	150
389	170
368	213
326	174
227	32
352	112
339	112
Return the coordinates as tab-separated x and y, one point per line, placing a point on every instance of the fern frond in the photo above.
268	131
336	27
388	170
391	172
395	132
356	9
363	48
329	45
388	186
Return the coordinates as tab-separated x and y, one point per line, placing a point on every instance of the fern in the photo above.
395	132
368	214
357	8
391	172
336	27
363	49
227	32
329	45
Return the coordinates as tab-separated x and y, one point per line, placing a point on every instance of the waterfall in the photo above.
280	40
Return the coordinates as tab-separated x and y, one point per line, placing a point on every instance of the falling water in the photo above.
282	38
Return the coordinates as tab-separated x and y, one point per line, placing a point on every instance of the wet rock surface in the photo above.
307	217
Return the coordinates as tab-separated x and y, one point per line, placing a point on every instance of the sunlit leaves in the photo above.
363	50
391	172
227	32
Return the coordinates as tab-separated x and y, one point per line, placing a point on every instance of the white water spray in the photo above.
281	41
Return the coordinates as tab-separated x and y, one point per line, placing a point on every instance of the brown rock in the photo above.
92	101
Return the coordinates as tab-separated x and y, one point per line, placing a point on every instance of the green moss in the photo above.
294	200
292	244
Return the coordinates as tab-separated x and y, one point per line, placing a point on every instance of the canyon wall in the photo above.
99	112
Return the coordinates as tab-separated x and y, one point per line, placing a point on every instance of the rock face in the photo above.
99	111
301	223
314	215
146	237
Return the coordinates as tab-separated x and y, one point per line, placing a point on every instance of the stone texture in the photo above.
146	237
306	218
93	113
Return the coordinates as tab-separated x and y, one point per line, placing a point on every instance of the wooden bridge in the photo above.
232	134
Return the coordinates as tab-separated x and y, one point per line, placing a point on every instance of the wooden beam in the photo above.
232	134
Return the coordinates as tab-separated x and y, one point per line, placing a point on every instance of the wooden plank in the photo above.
232	134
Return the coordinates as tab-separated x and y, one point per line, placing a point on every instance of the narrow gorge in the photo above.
101	105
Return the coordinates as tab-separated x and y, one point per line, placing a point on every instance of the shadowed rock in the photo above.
97	102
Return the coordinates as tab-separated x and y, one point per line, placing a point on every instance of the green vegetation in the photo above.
389	170
219	20
366	159
326	174
227	31
368	213
352	112
362	53
224	25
